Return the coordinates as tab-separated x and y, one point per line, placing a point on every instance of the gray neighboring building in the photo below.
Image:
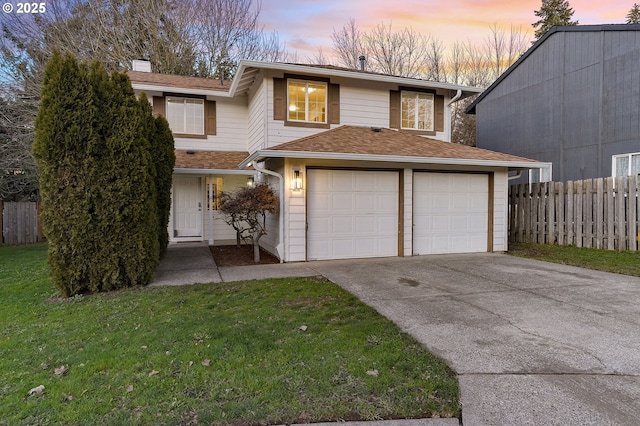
573	99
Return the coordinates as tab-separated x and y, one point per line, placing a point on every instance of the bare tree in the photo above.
348	45
226	31
504	49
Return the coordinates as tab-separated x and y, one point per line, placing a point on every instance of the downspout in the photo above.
280	246
456	97
516	176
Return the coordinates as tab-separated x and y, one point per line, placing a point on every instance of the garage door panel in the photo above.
362	216
450	213
341	202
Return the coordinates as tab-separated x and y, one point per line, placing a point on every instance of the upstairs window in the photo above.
186	115
626	164
417	111
307	101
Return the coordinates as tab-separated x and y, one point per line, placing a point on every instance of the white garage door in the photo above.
450	212
352	214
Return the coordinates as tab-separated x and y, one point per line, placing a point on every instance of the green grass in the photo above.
625	262
136	356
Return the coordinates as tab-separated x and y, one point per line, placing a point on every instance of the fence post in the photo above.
632	236
571	221
587	207
560	219
619	215
610	225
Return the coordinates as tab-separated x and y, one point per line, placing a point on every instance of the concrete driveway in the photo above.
533	343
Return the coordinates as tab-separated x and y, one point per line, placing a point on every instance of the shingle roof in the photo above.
177	81
218	160
387	142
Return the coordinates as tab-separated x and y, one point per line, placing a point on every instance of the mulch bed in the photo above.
243	256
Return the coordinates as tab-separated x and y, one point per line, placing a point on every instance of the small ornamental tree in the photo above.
246	209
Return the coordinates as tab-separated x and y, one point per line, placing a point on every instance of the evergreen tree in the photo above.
163	159
553	13
99	186
633	17
64	133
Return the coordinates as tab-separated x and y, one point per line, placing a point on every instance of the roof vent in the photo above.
140	65
191	152
376	129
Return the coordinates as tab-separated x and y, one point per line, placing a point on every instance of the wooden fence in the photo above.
599	213
19	223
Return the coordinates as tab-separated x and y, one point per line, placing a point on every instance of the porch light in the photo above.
296	182
250	182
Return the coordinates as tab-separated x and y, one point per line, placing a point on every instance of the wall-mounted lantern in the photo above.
250	182
296	182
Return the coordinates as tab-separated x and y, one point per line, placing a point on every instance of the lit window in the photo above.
185	115
540	175
307	101
626	164
417	111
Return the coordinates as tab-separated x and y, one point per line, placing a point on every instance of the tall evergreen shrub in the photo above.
95	149
64	138
163	158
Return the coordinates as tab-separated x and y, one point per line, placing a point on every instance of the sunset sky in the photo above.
306	25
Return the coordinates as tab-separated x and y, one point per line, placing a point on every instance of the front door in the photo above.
187	198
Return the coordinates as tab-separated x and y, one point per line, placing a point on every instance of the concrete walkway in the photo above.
533	343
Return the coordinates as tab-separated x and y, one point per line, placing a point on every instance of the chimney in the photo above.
363	59
140	65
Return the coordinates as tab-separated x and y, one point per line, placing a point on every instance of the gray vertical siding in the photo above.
574	100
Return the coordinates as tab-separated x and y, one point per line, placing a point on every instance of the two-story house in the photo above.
573	100
362	162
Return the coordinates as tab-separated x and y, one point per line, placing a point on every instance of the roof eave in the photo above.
182	90
264	154
188	171
296	68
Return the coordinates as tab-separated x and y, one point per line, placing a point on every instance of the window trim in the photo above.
204	114
306	102
280	102
629	156
432	130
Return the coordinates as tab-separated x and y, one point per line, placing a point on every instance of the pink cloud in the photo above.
307	25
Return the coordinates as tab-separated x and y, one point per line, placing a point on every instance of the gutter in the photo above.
280	246
272	153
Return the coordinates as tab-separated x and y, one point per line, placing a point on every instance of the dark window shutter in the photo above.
394	109
334	104
159	106
279	95
210	117
439	113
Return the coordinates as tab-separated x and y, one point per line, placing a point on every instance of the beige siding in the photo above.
295	216
231	135
270	241
500	210
408	212
257	116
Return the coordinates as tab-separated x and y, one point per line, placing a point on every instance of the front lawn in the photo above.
260	352
625	262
